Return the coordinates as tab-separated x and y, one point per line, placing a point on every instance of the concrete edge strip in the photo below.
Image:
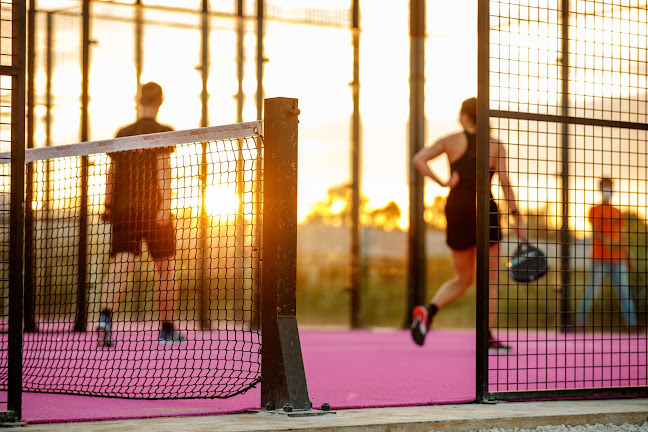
470	425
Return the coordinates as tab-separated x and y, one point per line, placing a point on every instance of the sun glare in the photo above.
338	206
221	200
526	73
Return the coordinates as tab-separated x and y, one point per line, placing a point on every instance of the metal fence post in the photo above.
416	285
283	380
28	296
260	59
82	289
356	157
483	188
17	213
565	236
205	284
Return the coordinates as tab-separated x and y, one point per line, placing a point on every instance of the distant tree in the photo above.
434	213
386	218
335	210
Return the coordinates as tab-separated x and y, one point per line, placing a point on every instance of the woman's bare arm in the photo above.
509	194
423	156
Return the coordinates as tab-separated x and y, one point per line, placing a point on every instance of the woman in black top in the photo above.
461	216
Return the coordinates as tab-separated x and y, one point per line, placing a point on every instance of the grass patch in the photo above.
323	296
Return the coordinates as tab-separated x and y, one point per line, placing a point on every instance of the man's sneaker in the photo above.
420	325
171	337
104	331
497	347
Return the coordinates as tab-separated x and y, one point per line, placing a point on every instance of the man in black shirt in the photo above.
138	206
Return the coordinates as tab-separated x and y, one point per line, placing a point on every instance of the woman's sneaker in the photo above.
497	347
420	324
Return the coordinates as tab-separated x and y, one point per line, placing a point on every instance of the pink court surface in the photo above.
383	368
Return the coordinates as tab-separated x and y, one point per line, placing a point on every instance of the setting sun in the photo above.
221	200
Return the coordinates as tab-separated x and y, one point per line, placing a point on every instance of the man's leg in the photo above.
121	265
621	284
596	278
161	238
167	296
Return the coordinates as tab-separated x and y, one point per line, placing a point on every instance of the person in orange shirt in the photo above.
608	256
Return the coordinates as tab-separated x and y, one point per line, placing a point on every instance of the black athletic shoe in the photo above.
420	325
497	347
104	331
168	337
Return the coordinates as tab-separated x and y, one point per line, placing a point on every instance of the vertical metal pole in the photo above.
204	68
282	369
416	236
139	53
48	78
240	59
205	303
566	316
85	68
82	289
17	214
356	307
31	72
28	302
204	281
47	249
260	59
483	194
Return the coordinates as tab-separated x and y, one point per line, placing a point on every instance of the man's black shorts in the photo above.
127	236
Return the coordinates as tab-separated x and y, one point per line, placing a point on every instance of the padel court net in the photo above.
568	98
206	285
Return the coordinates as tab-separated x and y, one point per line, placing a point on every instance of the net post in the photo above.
283	380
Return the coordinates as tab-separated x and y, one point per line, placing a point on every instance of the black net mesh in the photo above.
570	115
147	285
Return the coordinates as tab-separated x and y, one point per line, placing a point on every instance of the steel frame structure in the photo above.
564	117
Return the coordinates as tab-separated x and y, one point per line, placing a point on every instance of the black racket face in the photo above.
527	264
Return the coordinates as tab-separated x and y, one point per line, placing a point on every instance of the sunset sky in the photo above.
310	63
314	65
